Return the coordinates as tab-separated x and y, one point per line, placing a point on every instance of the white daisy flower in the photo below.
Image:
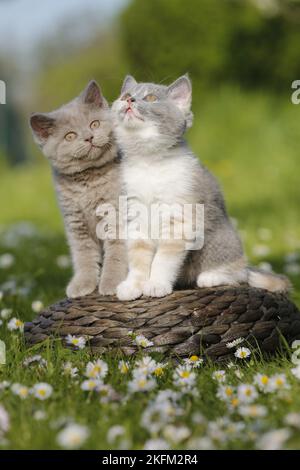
156	444
42	390
91	385
37	306
96	370
68	369
293	419
159	369
15	324
4	420
20	390
273	440
146	366
296	372
76	341
6	313
253	411
194	361
39	415
246	393
262	381
73	436
184	376
114	433
36	358
143	342
226	392
219	375
242	353
176	434
239	374
63	261
6	260
124	367
234	343
141	384
278	382
107	393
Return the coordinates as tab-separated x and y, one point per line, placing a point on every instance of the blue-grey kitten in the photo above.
159	168
78	141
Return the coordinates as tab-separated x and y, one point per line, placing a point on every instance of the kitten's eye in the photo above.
126	96
70	136
150	98
95	124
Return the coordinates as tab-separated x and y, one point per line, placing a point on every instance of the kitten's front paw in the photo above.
157	289
80	286
107	289
129	290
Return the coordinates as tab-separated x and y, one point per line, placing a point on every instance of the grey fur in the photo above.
85	177
221	260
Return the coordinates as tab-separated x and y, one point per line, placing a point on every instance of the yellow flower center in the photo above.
228	391
235	402
158	371
185	374
194	358
264	380
42	392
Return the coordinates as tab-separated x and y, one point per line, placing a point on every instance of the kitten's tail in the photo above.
268	281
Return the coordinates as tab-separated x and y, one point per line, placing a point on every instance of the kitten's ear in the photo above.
92	95
42	126
181	92
129	82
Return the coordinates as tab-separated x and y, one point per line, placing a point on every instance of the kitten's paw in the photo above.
214	279
157	289
80	286
129	290
106	288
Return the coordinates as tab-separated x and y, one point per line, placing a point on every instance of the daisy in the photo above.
6	313
37	306
141	384
4	420
242	353
36	358
6	260
262	381
143	342
246	393
194	361
278	382
156	444
96	370
273	440
68	369
145	366
73	436
184	377
20	390
159	369
77	341
219	376
15	324
42	391
226	392
176	434
63	261
91	385
234	343
296	372
39	415
107	393
124	367
253	411
114	433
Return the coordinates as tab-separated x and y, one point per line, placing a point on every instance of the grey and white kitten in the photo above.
158	167
78	141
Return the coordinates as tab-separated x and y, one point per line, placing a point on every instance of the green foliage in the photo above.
229	40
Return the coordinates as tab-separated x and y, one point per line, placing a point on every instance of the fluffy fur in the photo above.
78	141
159	168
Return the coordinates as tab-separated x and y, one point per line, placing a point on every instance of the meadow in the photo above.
51	397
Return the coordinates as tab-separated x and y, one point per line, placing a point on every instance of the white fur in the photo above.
220	276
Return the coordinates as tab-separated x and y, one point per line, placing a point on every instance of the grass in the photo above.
250	142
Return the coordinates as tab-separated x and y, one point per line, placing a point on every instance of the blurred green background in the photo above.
242	56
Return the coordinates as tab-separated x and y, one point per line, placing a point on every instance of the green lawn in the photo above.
250	142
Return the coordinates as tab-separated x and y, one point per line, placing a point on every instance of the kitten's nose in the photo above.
130	100
89	139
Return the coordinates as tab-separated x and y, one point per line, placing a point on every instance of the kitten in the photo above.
158	167
78	141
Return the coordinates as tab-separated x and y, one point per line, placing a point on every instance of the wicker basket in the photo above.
186	322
